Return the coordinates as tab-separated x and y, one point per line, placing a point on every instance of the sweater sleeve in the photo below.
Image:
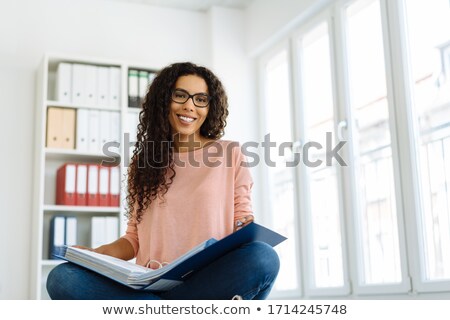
131	235
243	184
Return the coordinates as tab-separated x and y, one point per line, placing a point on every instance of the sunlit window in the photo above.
429	48
376	216
318	118
280	177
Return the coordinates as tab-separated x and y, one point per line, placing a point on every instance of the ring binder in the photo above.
165	278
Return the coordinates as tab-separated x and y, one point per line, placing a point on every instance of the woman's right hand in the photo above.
100	249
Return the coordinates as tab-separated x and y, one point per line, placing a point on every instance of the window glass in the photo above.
325	245
429	47
376	217
281	177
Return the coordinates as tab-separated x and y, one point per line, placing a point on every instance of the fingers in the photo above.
242	222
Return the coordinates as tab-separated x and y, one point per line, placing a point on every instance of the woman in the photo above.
185	185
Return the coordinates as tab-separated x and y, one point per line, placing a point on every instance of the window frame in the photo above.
359	288
325	16
407	130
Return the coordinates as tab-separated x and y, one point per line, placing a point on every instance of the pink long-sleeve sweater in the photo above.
211	189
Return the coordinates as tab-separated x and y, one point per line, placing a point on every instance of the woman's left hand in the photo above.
242	222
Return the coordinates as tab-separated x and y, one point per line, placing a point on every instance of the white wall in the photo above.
237	71
267	21
98	28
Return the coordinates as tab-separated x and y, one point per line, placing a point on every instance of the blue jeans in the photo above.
249	271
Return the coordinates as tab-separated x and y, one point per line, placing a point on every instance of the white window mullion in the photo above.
341	130
405	134
394	103
344	116
349	175
301	193
324	253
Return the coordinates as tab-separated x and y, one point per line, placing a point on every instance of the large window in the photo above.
337	81
322	212
375	214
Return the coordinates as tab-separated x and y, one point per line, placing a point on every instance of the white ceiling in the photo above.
195	5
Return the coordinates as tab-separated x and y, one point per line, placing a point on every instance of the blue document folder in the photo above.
176	272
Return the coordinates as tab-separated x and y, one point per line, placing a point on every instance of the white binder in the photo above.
114	87
57	235
64	83
71	231
103	86
59	231
104	230
114	131
91	85
97	231
94	131
79	84
105	128
112	229
82	130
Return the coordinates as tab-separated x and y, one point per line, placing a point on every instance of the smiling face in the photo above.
186	119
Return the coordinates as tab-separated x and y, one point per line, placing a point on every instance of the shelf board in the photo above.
51	262
73	155
52	103
61	208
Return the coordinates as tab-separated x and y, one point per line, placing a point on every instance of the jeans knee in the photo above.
53	278
265	257
56	278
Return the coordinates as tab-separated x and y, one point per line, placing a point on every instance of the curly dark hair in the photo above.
151	170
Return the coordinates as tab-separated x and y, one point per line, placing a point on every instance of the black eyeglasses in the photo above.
200	100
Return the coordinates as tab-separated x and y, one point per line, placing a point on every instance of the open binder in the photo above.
173	274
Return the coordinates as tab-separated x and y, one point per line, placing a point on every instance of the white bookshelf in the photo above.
48	160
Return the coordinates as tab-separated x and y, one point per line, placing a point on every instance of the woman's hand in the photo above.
97	250
242	222
120	248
